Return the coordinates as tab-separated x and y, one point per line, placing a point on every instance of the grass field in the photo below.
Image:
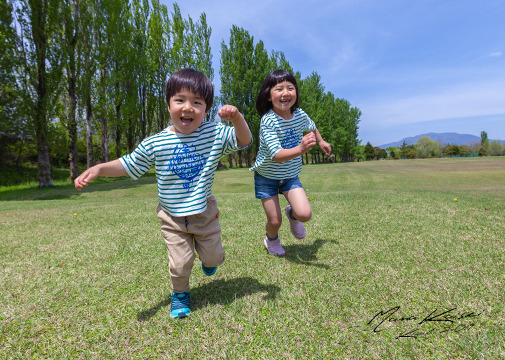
402	260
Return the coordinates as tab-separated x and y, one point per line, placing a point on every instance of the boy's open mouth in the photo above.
186	120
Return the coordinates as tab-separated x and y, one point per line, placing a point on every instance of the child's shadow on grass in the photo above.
306	254
219	291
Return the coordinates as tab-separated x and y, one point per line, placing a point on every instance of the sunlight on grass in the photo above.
388	251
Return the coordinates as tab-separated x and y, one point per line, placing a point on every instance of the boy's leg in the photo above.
180	248
207	232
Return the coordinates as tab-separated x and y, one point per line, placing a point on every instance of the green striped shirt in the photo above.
277	133
185	164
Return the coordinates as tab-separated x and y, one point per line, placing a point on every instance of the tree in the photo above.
426	147
242	68
12	124
369	151
87	53
496	148
381	153
70	46
40	26
484	141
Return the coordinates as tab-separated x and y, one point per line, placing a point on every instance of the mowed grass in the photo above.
402	259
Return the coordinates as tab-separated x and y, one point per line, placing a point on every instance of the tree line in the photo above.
83	81
425	148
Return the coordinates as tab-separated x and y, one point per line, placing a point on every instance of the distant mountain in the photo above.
443	138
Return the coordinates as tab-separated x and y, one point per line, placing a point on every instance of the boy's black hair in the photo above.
263	105
192	80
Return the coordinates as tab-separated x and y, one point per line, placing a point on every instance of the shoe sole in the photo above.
271	253
181	315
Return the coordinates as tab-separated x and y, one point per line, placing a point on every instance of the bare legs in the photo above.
299	203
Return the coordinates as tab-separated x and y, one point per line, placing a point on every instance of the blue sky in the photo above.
411	67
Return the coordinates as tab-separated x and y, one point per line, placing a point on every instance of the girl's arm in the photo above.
112	168
322	144
242	132
308	141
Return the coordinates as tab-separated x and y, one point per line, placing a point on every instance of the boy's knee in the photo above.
213	259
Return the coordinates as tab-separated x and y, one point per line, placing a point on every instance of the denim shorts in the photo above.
266	188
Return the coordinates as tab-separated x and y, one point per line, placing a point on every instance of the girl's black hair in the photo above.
192	80
263	105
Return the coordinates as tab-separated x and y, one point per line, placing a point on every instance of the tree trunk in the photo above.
72	123
230	160
118	131
103	120
118	143
239	153
89	132
144	115
40	41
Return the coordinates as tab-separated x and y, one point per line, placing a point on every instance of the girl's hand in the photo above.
325	147
308	141
230	113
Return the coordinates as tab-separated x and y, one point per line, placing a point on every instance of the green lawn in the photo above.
402	259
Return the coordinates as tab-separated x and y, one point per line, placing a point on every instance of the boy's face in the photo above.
187	111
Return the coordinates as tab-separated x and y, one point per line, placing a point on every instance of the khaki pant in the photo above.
183	235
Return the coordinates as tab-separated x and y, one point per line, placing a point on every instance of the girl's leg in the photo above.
274	220
274	216
299	203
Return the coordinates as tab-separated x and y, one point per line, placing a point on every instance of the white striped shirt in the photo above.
185	164
277	133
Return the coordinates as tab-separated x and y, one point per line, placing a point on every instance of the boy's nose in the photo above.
187	107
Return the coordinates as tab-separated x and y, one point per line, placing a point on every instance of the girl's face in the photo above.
283	97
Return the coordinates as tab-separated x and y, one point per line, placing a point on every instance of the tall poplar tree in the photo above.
243	69
40	27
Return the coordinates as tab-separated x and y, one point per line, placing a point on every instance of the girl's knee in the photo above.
275	222
303	216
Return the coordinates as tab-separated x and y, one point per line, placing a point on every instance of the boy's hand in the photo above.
308	141
230	113
325	147
88	175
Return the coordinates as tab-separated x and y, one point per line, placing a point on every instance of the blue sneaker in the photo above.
180	305
209	270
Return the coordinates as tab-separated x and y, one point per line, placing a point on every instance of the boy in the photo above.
185	156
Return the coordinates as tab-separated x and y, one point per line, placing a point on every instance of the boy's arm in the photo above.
308	141
322	144
242	132
112	168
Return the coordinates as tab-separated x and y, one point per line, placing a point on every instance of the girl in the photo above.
279	160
